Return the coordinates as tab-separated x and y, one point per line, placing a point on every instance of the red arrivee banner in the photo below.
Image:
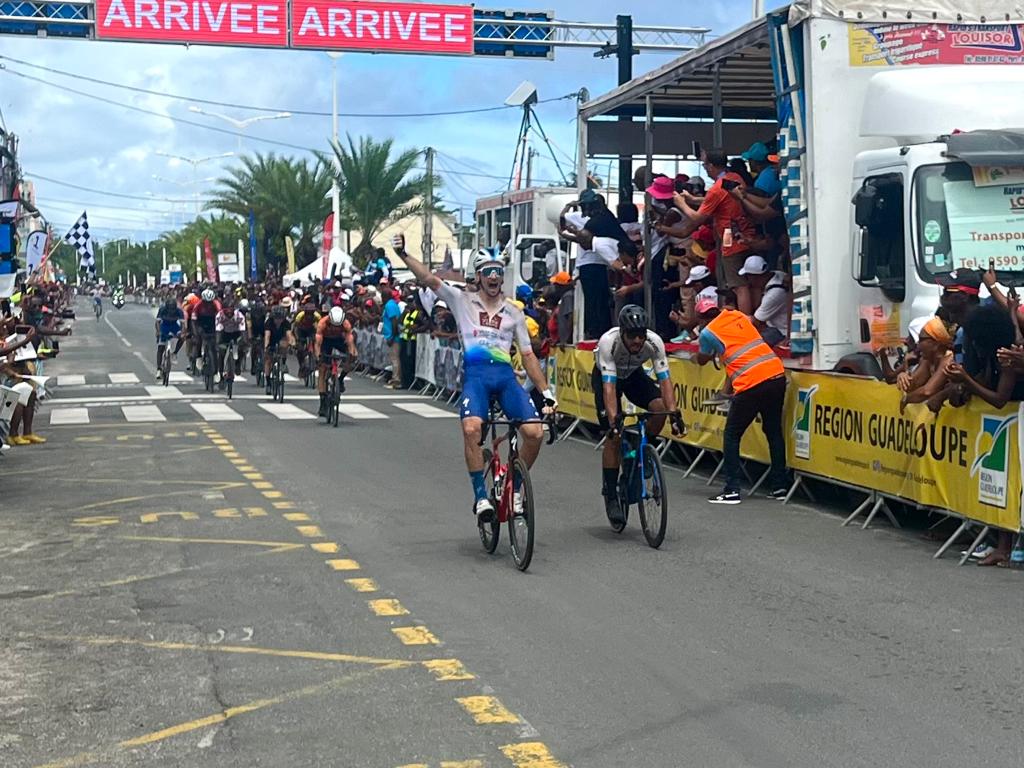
382	26
211	267
225	22
355	25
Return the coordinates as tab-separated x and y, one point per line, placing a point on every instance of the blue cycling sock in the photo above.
479	489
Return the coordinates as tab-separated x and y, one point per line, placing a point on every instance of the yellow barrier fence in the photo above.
848	429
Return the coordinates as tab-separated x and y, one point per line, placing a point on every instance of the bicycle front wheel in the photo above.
490	532
521	522
653	502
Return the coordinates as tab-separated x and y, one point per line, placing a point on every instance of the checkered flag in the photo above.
79	237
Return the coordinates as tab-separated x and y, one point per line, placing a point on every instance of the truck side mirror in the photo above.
864	204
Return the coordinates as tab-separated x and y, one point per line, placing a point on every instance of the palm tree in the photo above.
302	190
251	186
376	189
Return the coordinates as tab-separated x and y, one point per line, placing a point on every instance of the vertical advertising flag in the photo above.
35	249
252	247
211	266
289	248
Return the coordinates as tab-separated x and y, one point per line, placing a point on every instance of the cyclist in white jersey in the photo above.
488	324
618	370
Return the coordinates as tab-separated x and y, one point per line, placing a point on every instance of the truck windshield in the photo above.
964	226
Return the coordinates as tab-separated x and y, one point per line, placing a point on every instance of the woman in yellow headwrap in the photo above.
929	378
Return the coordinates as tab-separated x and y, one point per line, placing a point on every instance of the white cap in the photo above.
754	265
700	272
708	293
914	330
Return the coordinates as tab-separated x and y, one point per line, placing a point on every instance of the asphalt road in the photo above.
177	589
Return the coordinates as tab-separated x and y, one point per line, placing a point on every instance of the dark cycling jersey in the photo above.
278	330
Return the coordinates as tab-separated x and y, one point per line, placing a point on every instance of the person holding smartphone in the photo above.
733	228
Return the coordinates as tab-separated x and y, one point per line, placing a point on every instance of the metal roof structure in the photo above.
740	63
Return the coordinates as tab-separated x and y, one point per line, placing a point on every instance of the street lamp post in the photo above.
241	125
193	182
195	162
335	255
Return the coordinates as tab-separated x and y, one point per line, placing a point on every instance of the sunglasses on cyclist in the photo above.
634	335
492	272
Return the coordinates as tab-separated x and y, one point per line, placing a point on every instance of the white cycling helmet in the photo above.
485	256
336	315
208	295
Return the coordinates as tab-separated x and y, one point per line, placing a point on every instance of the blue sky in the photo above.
67	137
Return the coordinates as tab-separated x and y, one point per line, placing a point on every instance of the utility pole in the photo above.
529	167
428	212
624	53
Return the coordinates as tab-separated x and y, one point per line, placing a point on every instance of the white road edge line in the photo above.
106	319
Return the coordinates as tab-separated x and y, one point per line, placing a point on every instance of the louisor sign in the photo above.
354	25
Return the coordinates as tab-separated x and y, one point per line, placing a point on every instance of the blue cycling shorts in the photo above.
169	329
484	382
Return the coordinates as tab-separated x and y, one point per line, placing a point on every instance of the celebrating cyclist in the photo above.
333	332
168	325
488	323
618	370
277	334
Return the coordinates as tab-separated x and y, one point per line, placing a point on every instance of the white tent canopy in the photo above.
314	271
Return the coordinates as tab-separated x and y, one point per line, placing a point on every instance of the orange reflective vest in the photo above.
748	360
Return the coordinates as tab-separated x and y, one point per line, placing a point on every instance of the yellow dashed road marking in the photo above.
310	531
227	512
343	565
415	635
326	547
486	710
296	517
262	484
387	607
446	670
255	511
252	475
462	764
219	441
362	585
531	754
153	517
273	494
284	505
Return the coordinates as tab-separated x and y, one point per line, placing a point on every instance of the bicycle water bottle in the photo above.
1017	553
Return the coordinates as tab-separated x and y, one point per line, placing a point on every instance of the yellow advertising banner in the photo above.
851	430
289	248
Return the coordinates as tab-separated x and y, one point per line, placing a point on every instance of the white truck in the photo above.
900	128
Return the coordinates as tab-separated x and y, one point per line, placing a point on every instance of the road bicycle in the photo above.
642	480
256	362
209	361
277	375
228	372
338	363
167	358
306	363
504	482
97	307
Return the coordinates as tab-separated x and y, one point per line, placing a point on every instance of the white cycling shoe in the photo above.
484	511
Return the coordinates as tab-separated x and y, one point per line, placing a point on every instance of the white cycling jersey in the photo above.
616	362
486	338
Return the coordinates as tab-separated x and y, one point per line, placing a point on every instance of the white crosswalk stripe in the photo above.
360	412
293	379
426	411
142	413
70	380
216	412
286	411
60	416
159	392
123	378
179	377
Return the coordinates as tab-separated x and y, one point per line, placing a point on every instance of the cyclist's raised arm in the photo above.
417	267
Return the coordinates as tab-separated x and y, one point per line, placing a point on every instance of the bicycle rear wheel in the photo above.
521	525
490	532
653	503
231	386
165	365
332	408
280	385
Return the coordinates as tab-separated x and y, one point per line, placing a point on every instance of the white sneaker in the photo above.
484	511
517	504
981	551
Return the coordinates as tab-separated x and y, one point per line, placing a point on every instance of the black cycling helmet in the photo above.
633	319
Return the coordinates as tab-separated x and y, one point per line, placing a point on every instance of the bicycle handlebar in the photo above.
516	423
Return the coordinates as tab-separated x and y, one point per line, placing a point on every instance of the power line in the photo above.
190	200
303	112
133	108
